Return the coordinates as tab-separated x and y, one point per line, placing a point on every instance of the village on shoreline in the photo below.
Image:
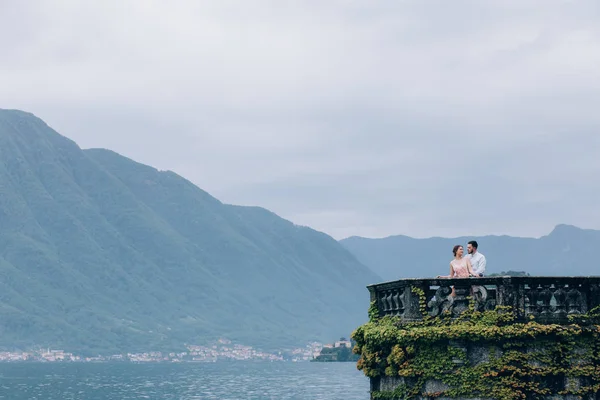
221	350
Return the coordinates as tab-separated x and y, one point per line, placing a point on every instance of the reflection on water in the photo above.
227	380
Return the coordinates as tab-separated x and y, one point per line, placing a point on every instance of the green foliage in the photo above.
509	273
337	354
522	359
99	253
373	312
590	318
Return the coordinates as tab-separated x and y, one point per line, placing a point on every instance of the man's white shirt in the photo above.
477	262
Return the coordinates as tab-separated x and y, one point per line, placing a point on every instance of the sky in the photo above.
367	118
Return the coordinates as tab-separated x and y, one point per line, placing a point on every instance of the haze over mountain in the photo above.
567	250
100	253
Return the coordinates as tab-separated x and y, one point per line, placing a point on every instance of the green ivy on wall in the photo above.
522	361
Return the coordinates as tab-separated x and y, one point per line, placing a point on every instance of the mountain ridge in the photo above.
102	253
565	248
557	227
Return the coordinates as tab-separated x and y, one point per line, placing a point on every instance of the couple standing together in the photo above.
473	264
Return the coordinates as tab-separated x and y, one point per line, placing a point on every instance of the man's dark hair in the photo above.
473	243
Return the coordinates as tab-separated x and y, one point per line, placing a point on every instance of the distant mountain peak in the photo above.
391	237
30	129
565	229
10	111
566	226
15	115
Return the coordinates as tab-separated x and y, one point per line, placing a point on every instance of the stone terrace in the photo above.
548	299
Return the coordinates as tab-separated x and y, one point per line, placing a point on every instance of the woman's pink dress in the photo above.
460	268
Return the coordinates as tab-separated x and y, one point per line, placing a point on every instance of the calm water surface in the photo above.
241	380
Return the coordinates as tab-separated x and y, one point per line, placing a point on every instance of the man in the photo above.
477	259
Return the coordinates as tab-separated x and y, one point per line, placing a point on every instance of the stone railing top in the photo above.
546	298
492	279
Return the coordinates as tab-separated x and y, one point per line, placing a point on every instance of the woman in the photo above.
460	267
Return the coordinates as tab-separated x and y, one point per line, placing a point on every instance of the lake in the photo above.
222	380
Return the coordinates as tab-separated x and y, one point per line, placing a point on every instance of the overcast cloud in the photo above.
365	118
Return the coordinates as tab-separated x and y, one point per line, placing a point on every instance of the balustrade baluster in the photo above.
460	303
383	303
441	301
532	305
574	301
388	300
480	296
545	295
594	295
561	305
396	310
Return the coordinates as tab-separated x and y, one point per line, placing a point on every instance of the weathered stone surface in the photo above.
389	383
478	353
549	300
435	386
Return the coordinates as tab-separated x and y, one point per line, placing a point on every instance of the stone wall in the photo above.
505	338
478	353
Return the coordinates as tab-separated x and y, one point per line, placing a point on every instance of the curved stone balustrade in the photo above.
548	299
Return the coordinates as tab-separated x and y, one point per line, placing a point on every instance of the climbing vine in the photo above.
373	312
516	360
